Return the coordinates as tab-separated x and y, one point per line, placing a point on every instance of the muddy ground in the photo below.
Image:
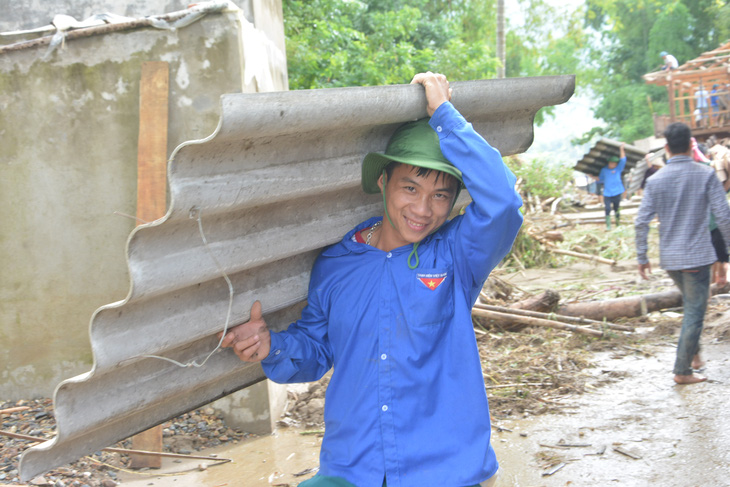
567	410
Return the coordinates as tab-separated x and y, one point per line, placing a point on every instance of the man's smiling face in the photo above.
417	204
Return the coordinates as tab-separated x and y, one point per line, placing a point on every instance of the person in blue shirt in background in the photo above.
389	307
613	186
714	105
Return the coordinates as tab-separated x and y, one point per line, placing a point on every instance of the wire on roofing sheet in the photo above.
196	214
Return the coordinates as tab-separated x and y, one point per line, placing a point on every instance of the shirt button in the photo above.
389	255
439	129
384	408
277	352
383	357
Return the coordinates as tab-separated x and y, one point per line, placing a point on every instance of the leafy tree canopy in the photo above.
609	44
632	34
334	43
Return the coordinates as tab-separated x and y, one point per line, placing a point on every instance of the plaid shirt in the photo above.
682	195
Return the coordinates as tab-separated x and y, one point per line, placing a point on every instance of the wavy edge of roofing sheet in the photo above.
276	182
597	156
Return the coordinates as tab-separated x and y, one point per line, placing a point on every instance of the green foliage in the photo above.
528	253
540	177
632	34
550	42
609	44
334	43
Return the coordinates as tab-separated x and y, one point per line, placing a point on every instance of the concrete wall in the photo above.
68	160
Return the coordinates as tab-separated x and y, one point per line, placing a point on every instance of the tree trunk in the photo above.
503	318
611	309
544	302
576	320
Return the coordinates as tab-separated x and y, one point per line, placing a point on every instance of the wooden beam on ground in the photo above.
632	306
151	196
570	253
529	321
577	320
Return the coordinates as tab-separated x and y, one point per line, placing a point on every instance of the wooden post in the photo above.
151	196
152	144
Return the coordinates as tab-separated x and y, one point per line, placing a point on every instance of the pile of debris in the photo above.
27	422
305	405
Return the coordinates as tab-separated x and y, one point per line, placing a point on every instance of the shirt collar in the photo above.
346	245
680	158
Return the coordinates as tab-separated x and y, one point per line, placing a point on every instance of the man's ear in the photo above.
381	181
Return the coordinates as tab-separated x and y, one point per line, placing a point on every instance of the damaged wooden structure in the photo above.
690	89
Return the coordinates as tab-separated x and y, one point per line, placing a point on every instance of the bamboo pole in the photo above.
595	258
550	316
14	410
518	384
527	320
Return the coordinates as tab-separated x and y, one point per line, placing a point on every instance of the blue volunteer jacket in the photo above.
406	399
611	179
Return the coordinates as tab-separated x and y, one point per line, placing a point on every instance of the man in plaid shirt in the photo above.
682	195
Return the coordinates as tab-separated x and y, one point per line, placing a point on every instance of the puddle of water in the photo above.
678	434
263	461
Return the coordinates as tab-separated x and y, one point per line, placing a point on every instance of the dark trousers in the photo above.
695	287
612	200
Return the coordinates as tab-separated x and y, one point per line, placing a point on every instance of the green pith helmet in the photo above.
613	159
414	143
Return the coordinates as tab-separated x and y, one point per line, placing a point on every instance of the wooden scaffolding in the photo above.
692	88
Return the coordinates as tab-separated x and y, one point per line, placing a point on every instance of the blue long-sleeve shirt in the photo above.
682	195
406	399
611	179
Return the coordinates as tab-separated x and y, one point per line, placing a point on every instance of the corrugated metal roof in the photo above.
277	182
597	157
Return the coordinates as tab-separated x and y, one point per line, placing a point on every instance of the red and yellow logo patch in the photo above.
431	281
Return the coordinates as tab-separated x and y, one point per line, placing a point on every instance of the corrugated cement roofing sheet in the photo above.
597	157
254	203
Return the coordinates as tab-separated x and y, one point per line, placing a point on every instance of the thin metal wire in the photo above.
196	213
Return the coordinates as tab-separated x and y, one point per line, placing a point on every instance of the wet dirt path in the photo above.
640	431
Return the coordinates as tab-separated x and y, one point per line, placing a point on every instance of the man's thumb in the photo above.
256	311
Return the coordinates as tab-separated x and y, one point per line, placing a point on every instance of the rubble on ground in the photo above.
186	434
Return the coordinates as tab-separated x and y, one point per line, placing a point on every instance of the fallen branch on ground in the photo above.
544	302
519	384
529	321
570	253
122	450
545	239
14	410
550	316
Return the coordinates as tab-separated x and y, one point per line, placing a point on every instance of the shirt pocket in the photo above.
432	292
